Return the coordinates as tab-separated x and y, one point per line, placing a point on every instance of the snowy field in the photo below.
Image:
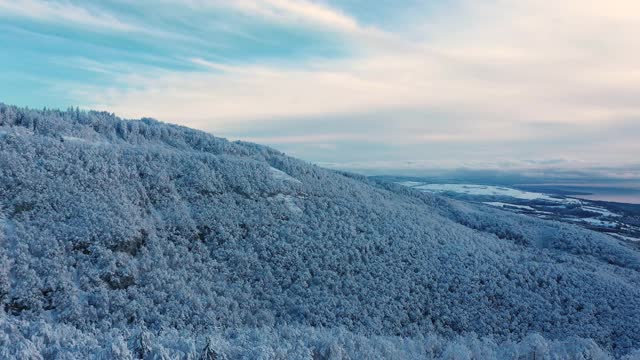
281	175
502	205
601	211
485	190
596	222
541	205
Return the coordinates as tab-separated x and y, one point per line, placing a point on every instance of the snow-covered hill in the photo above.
619	220
139	239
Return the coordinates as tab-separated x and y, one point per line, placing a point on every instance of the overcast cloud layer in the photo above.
353	84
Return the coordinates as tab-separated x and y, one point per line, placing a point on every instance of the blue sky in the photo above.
348	83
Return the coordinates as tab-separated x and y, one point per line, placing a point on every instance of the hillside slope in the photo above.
129	228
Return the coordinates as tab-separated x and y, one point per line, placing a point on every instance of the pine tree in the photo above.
209	353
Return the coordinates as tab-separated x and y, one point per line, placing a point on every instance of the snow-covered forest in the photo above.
138	239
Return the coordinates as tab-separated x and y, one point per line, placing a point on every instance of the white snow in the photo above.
489	190
73	138
83	141
628	238
502	205
410	183
289	203
595	222
281	175
471	189
17	131
288	200
602	211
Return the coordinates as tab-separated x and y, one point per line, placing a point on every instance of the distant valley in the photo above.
548	202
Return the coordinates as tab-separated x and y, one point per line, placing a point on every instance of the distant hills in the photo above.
621	220
139	239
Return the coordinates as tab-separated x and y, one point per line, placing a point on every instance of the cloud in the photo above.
499	74
89	17
299	11
504	89
520	78
64	12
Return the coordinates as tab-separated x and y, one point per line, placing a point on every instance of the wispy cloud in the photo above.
54	11
304	12
553	73
90	17
299	11
486	78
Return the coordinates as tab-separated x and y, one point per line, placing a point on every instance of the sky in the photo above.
361	85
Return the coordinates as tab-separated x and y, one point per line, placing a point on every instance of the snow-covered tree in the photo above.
111	229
